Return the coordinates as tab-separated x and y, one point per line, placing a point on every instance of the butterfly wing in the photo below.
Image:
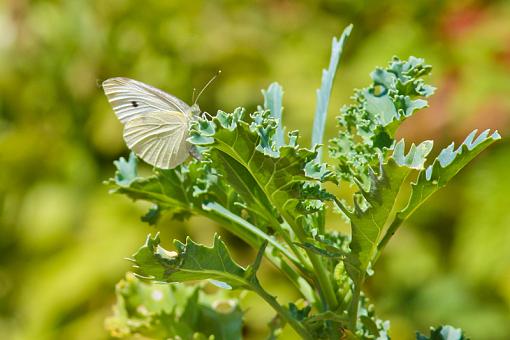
131	98
159	138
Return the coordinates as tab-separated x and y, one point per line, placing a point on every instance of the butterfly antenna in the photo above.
207	85
193	95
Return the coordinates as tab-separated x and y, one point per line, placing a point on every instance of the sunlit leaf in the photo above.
447	164
273	102
443	333
160	311
192	261
367	224
367	127
324	92
270	180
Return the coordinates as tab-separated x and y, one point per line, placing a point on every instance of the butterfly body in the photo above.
195	110
155	122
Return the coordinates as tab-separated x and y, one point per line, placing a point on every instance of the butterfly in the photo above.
155	122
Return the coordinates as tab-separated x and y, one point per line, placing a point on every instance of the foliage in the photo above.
271	192
166	311
443	333
63	238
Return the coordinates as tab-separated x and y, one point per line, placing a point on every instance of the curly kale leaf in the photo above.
180	192
193	261
368	126
447	164
162	311
367	224
271	179
434	177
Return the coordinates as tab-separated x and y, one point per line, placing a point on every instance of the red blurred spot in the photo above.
432	122
457	23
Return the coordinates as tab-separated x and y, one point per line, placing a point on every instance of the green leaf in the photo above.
369	325
185	191
443	333
367	224
192	261
171	190
273	102
324	92
246	186
152	216
372	210
126	170
265	177
447	164
368	127
279	173
196	188
169	311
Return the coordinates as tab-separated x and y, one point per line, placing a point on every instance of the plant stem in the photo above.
284	313
323	279
305	264
251	235
387	236
324	282
353	310
244	225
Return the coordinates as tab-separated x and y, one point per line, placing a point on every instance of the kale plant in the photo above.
269	189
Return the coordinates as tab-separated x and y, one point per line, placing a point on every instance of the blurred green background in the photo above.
63	238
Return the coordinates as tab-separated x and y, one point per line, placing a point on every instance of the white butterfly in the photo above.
155	122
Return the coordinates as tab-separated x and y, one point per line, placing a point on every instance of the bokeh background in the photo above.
63	238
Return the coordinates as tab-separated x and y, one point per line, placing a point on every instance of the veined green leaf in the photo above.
266	178
367	225
246	186
447	164
184	191
171	190
278	172
196	189
192	261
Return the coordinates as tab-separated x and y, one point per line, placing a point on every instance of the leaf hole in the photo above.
379	90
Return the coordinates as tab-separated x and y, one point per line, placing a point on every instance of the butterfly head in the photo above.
195	110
